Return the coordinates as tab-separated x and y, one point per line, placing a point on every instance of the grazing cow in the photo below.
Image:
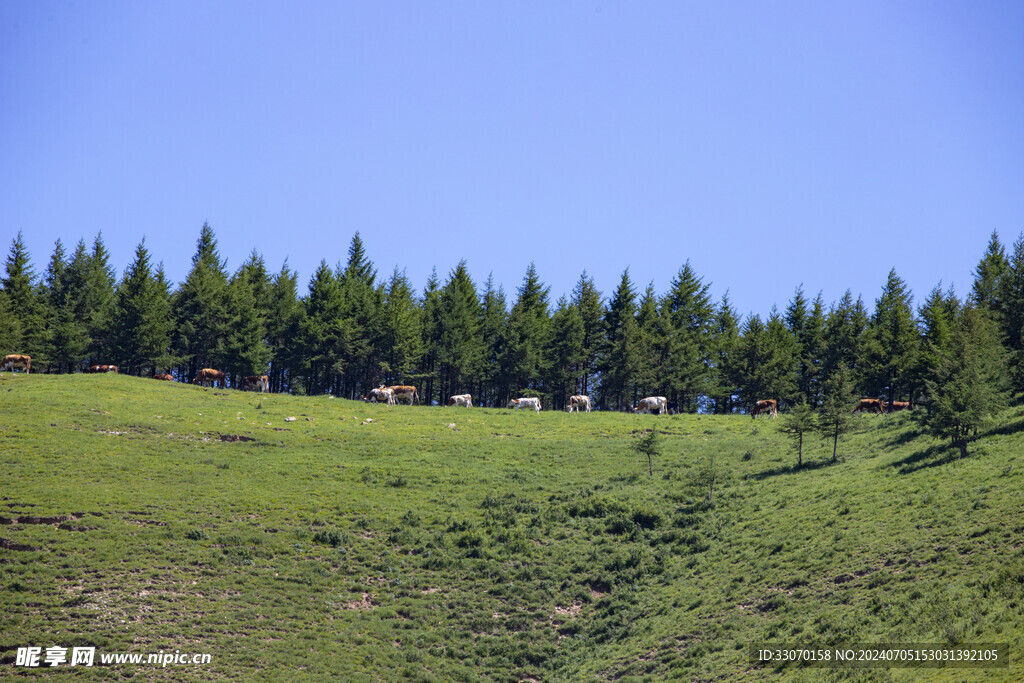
518	403
103	368
652	403
401	391
900	405
769	406
211	376
165	378
381	395
577	402
871	405
260	383
461	401
15	361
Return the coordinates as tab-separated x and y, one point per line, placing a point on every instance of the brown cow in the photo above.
899	405
260	383
402	391
579	401
211	376
770	406
15	361
103	368
461	401
165	378
876	405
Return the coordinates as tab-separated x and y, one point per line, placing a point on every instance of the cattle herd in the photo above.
658	405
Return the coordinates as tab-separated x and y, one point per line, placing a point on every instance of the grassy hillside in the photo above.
453	544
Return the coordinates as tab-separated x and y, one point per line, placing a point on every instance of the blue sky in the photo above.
770	143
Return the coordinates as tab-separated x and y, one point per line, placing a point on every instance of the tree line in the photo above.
354	329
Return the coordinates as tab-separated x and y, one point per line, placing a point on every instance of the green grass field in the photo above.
453	544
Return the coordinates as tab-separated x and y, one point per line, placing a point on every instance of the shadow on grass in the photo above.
926	457
792	469
1008	428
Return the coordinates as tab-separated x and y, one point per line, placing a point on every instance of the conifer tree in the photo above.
247	351
835	419
284	330
1010	290
431	336
844	331
985	292
69	338
648	348
460	352
618	361
566	354
692	316
403	329
201	308
970	384
362	302
22	300
891	341
524	361
807	326
935	325
492	331
795	424
10	327
97	303
587	300
140	321
324	336
727	375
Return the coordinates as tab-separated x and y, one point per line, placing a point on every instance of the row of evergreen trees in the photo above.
354	330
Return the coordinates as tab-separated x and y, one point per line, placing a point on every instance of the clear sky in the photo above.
771	143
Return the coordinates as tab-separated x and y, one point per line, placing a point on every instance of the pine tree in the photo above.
460	351
22	300
431	305
97	303
403	329
566	353
284	330
970	384
324	338
201	309
891	341
649	345
768	359
492	332
618	360
727	376
141	332
844	332
692	316
247	351
835	419
10	327
587	301
985	289
1010	289
795	424
529	327
362	303
807	326
935	324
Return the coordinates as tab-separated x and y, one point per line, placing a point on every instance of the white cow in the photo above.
518	403
577	402
461	401
381	395
652	403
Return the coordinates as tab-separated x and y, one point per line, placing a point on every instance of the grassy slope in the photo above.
507	546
